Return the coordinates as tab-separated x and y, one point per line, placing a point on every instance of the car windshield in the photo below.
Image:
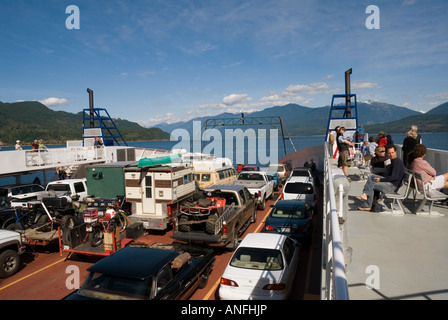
298	187
288	212
257	259
105	287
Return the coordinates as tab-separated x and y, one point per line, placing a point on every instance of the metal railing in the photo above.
334	280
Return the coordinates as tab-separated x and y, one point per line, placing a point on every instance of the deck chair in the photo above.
428	195
401	193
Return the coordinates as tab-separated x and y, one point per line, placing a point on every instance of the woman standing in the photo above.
409	144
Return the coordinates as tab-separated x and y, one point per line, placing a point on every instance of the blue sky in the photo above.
172	60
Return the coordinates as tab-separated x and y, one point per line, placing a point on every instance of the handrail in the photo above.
333	262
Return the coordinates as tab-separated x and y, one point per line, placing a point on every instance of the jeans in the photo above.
371	186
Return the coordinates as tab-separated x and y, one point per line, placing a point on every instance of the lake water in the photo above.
248	153
430	140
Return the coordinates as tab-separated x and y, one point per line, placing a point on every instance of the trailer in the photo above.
156	191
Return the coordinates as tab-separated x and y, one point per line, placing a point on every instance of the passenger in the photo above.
382	140
337	130
409	144
372	146
360	133
389	139
239	168
41	145
98	142
330	142
377	163
388	184
34	146
431	180
419	138
344	153
18	146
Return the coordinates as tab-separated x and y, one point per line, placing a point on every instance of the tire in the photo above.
211	223
96	237
262	205
233	244
253	219
42	221
183	227
13	227
67	222
9	263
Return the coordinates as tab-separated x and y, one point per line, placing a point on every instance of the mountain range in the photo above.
30	120
375	116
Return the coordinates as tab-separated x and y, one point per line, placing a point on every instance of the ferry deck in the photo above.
394	256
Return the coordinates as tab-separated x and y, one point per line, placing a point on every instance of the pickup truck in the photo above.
68	187
229	223
259	184
10	250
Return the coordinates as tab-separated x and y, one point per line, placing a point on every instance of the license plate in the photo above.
285	229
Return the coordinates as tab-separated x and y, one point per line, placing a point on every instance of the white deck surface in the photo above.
400	256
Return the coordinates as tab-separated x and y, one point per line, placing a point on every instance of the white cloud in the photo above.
438	96
236	99
52	102
166	117
365	85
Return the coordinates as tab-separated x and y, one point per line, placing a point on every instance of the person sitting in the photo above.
431	180
378	162
388	184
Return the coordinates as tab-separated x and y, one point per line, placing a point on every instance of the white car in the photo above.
263	267
297	190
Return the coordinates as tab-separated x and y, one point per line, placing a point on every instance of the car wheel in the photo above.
9	263
262	205
233	244
253	219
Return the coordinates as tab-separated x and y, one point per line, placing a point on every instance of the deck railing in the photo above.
334	280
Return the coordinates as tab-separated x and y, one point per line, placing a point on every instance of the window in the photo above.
164	277
242	196
221	175
258	259
79	187
205	177
148	186
188	178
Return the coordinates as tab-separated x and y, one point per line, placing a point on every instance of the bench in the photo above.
402	193
428	195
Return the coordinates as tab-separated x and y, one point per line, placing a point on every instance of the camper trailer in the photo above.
155	192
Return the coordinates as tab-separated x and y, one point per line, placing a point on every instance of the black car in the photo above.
158	272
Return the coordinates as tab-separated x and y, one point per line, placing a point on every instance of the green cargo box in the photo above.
107	180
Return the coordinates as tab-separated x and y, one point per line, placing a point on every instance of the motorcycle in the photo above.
99	222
